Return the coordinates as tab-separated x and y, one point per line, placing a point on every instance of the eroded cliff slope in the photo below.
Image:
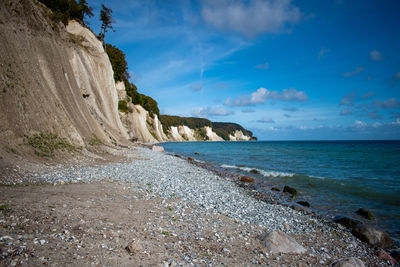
53	79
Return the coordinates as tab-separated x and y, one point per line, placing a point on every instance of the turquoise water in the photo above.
336	177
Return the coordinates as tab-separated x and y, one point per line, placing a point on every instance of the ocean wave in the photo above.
262	172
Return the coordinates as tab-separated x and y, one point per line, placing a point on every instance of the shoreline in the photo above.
263	185
166	177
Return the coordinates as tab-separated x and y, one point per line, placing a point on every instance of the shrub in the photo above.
63	10
123	106
46	143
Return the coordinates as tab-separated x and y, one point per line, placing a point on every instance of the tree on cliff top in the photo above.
106	21
63	10
86	10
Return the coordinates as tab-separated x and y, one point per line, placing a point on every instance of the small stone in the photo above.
383	255
246	179
134	247
275	189
349	262
279	242
42	242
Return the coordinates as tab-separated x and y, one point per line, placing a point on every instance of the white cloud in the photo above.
248	110
358	70
375	55
264	66
250	18
211	112
262	95
359	124
266	120
322	53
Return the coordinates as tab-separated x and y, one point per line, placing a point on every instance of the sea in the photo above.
335	177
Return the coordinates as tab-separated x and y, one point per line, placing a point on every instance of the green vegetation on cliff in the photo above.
120	68
224	129
63	10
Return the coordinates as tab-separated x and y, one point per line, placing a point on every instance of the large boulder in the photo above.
157	148
279	242
349	262
346	221
372	236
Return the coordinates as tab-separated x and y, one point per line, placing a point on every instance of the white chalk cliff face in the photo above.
57	79
212	136
186	133
239	136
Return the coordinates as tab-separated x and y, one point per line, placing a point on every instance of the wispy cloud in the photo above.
368	95
263	66
196	87
248	110
387	104
262	95
358	70
211	112
250	18
348	99
347	111
322	52
375	55
291	109
266	120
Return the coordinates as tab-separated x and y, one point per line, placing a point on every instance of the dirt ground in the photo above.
92	224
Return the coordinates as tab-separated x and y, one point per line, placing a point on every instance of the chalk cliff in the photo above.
57	78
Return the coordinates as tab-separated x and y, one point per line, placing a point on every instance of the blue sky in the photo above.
285	70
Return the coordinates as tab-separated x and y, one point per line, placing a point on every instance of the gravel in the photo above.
166	176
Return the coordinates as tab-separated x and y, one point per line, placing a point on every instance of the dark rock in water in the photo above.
254	171
178	156
190	159
275	189
196	153
349	262
290	190
304	203
372	236
247	179
241	165
365	213
297	207
395	254
346	221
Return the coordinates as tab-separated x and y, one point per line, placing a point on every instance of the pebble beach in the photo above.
170	211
